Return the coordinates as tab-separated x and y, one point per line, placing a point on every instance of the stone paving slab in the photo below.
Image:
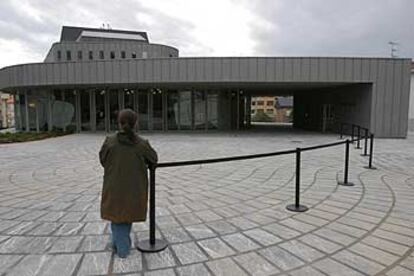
219	219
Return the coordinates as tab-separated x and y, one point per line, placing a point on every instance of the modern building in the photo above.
92	73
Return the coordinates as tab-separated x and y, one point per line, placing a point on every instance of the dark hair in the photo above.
127	119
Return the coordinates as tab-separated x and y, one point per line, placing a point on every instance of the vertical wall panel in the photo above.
405	79
296	71
314	69
380	100
261	69
365	70
279	69
164	70
182	70
323	69
244	69
225	69
191	69
287	69
270	69
235	69
398	67
174	70
305	69
348	69
157	71
388	98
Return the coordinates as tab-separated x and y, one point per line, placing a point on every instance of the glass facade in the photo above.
186	110
173	118
97	109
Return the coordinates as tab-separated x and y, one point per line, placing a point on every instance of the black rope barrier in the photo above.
153	244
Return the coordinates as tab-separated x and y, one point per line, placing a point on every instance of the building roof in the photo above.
70	33
284	102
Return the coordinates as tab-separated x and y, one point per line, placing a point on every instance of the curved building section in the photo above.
172	93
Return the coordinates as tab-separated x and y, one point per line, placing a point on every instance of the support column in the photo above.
26	109
150	109
179	110
78	111
50	110
37	115
238	110
62	93
107	111
164	111
121	99
249	111
92	109
136	105
192	110
206	110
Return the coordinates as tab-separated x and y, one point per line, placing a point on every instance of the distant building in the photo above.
276	108
91	73
6	110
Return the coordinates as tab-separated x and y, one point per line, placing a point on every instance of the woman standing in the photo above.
125	157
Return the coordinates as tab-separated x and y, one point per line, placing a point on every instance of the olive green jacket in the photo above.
125	184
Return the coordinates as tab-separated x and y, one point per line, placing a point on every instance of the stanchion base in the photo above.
147	247
370	168
342	183
358	148
364	154
294	208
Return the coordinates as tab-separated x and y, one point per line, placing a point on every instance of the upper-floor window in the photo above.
123	54
59	55
68	55
144	55
253	103
269	103
90	55
101	55
171	55
79	55
134	55
112	55
260	102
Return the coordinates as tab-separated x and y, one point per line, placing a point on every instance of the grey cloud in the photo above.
335	27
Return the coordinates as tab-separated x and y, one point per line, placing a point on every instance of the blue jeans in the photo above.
121	240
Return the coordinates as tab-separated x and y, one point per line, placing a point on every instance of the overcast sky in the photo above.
217	27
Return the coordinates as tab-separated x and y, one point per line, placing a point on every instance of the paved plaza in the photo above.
219	219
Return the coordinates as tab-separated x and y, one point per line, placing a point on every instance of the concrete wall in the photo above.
411	112
390	78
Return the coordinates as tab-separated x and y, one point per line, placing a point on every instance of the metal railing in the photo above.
156	245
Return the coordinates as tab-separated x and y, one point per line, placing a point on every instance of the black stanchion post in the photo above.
297	207
152	245
371	153
352	133
365	143
359	137
345	182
